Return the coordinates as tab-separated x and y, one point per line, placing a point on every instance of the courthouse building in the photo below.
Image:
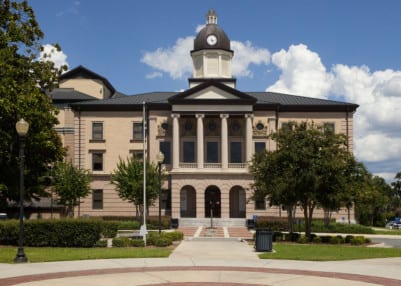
207	133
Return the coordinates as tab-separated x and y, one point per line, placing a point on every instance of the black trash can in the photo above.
174	223
264	240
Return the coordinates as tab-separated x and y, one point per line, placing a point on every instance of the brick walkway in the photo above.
227	232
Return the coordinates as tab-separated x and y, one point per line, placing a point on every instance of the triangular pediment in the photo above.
212	92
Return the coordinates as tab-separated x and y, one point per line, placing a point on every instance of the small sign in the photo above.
143	231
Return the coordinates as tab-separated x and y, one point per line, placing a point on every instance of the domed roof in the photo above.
211	28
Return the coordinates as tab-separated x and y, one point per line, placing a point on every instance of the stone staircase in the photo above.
224	233
217	222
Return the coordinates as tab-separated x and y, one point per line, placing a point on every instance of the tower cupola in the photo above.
212	54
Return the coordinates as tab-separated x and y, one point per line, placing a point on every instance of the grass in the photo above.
318	252
387	231
47	254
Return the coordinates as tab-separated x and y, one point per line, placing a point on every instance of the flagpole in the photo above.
144	230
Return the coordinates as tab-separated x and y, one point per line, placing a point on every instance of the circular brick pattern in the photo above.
334	275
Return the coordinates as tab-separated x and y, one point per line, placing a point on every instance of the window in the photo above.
260	203
212	152
285	126
260	147
329	127
97	161
189	151
137	133
97	130
137	154
165	148
97	199
235	152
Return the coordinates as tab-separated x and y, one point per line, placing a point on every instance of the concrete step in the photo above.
217	222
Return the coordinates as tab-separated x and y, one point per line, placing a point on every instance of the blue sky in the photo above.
346	50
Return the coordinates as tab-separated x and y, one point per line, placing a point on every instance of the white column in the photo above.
224	141
248	137
199	139
176	141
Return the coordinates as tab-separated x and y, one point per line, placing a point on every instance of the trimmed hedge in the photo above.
53	233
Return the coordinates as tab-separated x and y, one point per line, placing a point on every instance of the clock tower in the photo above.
212	54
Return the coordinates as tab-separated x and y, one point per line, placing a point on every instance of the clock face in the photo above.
211	40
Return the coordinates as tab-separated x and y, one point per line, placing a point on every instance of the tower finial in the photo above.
211	17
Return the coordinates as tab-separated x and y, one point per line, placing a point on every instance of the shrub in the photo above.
121	242
161	240
175	235
316	239
9	232
292	236
101	243
137	243
357	240
62	233
335	240
275	224
53	233
128	224
303	239
348	238
278	236
109	229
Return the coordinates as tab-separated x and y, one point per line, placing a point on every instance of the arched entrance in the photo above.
212	202
237	202
188	202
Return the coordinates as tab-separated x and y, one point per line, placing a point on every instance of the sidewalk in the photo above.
204	262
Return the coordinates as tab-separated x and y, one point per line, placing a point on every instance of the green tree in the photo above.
23	81
308	168
372	201
128	178
70	184
396	186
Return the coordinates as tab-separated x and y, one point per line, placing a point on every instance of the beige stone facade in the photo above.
208	134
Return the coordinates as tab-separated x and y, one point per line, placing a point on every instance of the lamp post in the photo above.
160	159
22	128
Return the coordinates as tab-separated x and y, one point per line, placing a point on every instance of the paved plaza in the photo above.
204	261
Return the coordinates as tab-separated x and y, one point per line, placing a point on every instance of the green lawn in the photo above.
46	254
319	252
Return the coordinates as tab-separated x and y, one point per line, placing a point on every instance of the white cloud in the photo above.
302	72
244	55
154	75
50	53
174	61
177	63
377	127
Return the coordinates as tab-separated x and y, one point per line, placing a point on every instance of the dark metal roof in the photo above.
241	97
264	101
132	102
59	95
211	28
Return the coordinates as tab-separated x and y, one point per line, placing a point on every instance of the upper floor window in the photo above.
188	152
137	133
97	130
260	147
137	154
212	152
165	148
97	161
235	152
329	127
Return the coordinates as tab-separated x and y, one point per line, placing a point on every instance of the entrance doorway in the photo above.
188	202
212	202
237	202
